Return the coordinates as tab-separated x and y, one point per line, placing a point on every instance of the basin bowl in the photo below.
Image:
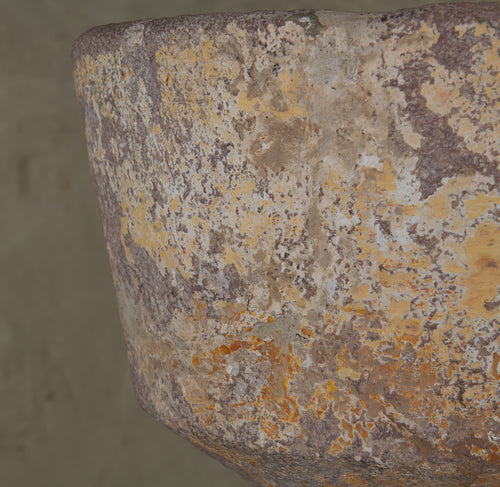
302	215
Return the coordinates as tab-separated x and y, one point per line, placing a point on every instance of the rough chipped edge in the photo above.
109	36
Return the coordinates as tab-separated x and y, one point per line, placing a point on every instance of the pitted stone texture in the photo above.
302	214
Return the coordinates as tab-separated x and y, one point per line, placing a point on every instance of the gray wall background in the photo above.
68	414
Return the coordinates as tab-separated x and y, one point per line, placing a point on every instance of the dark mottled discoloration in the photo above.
309	21
442	153
301	211
319	433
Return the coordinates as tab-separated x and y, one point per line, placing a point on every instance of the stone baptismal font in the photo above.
302	215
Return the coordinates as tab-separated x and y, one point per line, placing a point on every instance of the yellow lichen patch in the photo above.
482	28
274	403
479	452
425	37
291	104
148	234
340	444
361	292
234	314
482	250
175	203
206	65
322	398
461	29
293	89
492	61
412	138
384	179
232	257
291	293
477	128
307	331
296	226
411	330
481	204
441	95
345	372
244	187
440	206
219	65
398	308
396	276
453	259
254	226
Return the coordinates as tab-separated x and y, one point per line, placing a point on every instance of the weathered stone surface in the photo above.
302	214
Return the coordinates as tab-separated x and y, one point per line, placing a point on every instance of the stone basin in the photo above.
302	215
